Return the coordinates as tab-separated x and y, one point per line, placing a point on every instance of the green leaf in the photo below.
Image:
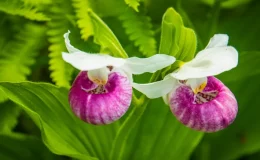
133	3
62	132
242	136
139	29
106	38
9	113
158	135
19	146
177	40
61	71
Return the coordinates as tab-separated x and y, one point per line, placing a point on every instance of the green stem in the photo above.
130	122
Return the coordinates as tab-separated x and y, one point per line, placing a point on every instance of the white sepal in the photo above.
151	64
208	62
218	40
156	89
85	61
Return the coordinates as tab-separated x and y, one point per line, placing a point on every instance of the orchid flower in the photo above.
199	100
102	91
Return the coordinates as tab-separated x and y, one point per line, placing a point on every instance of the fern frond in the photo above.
84	22
19	54
139	29
16	7
60	70
133	3
36	2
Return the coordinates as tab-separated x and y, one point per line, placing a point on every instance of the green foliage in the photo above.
177	40
122	29
105	37
16	7
227	4
84	22
139	29
18	55
9	113
61	71
157	135
36	2
62	131
19	146
133	3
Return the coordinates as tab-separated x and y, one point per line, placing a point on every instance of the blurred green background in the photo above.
35	118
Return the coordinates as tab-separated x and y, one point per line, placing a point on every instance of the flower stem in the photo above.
129	123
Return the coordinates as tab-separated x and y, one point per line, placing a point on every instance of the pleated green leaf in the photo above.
176	39
62	132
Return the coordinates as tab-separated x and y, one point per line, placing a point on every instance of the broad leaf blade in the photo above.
62	132
159	135
19	146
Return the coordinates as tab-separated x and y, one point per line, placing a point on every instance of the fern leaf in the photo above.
16	7
60	71
19	54
133	3
139	29
36	2
84	21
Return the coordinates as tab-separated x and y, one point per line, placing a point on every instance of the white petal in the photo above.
141	65
197	84
99	76
156	89
85	61
218	40
211	61
70	48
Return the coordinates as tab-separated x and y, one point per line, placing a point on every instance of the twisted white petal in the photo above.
151	64
156	89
